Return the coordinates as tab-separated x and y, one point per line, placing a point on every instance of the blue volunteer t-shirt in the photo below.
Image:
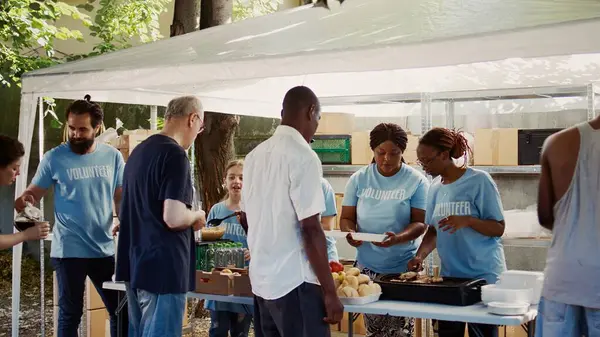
467	253
383	204
234	232
151	256
330	210
84	188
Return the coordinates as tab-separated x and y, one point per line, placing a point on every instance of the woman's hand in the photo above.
391	240
38	232
455	222
416	264
246	254
352	242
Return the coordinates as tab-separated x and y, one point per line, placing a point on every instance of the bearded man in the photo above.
87	178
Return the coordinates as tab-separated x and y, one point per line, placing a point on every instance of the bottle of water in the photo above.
240	260
219	256
210	258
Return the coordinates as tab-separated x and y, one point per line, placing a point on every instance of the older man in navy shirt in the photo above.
156	253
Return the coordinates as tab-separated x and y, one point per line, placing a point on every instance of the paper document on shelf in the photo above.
357	236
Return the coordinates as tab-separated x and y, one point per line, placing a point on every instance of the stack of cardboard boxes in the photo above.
130	139
95	312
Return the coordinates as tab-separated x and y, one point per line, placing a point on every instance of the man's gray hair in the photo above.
184	106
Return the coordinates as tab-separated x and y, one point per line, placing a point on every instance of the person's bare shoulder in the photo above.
562	144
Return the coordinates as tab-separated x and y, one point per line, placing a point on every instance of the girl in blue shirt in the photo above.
388	197
464	218
328	218
230	317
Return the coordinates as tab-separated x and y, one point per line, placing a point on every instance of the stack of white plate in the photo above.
514	292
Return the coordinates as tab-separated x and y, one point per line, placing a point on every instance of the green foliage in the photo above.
245	9
30	274
118	22
27	34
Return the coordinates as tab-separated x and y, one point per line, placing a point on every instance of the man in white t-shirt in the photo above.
282	200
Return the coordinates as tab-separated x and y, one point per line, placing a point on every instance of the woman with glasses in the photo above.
388	197
464	218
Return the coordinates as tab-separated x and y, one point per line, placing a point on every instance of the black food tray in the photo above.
453	291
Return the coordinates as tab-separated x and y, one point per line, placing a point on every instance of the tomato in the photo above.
336	267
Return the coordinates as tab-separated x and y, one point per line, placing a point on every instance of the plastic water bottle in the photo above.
240	260
211	256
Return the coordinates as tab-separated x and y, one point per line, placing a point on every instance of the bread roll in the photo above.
376	288
340	293
365	290
352	281
353	271
350	292
363	279
336	283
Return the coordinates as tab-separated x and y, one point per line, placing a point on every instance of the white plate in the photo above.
508	309
360	300
357	236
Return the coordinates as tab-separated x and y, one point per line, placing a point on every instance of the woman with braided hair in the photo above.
388	197
464	218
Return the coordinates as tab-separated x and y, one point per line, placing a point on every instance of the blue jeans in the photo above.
224	322
70	276
564	320
155	315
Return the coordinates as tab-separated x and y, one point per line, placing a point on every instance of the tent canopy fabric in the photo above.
364	46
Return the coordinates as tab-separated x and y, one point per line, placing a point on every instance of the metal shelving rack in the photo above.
449	98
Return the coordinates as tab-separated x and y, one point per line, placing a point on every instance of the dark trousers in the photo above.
457	329
226	323
70	276
300	313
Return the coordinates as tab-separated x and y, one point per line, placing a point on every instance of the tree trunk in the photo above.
186	17
214	146
215	13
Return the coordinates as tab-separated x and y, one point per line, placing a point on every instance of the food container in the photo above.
520	279
508	309
451	291
360	300
212	233
492	293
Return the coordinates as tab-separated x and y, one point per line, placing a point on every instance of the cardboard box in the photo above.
92	298
498	147
240	285
212	283
358	326
96	322
336	124
410	154
360	148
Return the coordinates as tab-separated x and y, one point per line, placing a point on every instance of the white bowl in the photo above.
493	293
517	279
508	309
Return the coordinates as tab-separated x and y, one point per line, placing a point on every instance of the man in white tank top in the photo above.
569	205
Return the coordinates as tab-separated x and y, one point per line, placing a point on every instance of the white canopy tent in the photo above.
364	51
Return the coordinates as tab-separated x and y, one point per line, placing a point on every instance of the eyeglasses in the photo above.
427	161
